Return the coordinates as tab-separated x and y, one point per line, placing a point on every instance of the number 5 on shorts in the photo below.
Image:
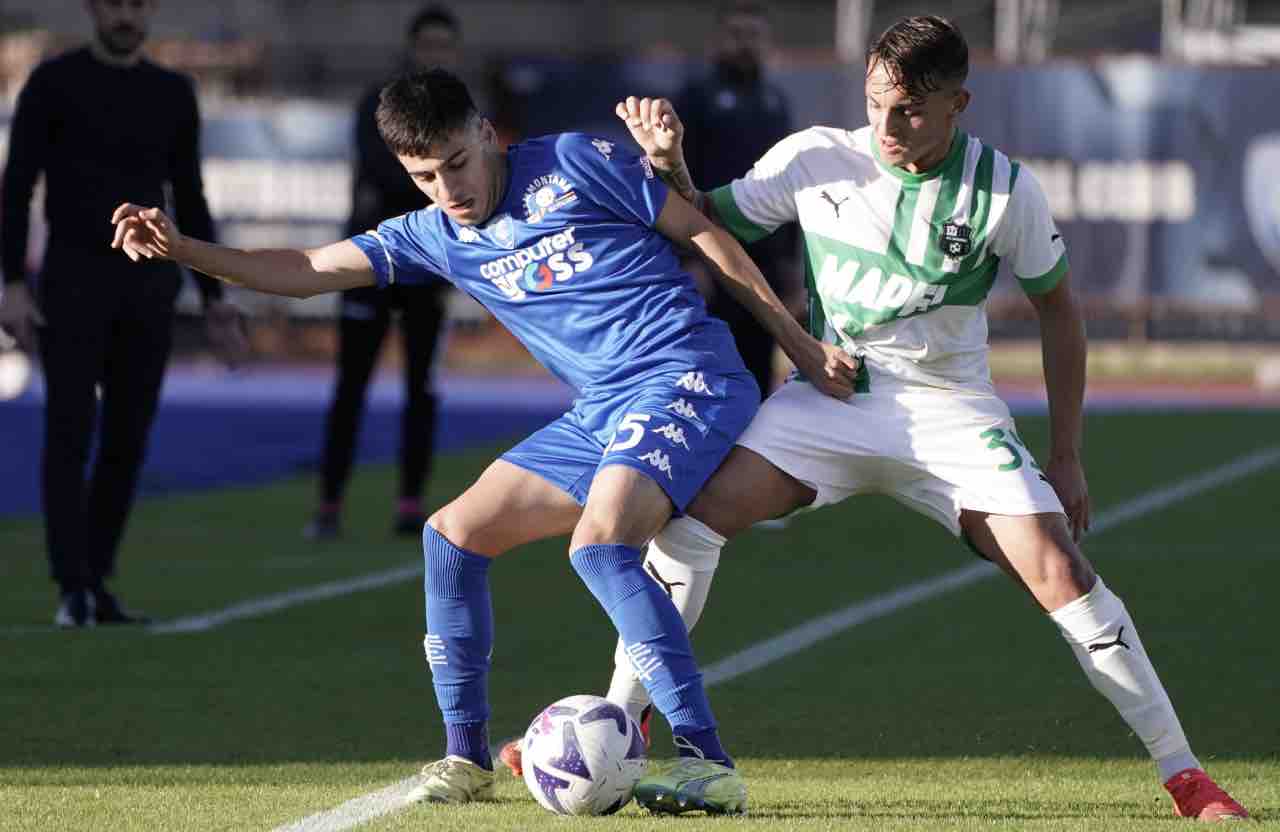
631	424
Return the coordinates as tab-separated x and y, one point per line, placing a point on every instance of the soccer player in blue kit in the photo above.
568	240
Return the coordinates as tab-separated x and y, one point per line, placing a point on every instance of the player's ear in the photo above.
961	102
488	133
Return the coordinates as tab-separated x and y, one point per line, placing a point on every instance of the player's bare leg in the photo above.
508	506
1039	553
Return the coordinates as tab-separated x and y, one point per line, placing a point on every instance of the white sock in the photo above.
1118	667
682	559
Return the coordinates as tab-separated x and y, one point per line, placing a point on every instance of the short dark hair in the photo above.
921	54
419	109
435	15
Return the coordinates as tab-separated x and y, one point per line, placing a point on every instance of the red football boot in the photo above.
1195	795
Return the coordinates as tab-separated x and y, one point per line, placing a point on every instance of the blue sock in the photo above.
655	639
458	643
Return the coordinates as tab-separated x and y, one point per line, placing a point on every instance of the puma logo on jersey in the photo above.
659	460
874	290
694	383
666	585
835	206
674	434
683	408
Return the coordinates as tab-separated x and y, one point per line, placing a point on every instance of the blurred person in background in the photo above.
383	190
733	116
100	121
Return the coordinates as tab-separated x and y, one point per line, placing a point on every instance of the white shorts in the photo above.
935	451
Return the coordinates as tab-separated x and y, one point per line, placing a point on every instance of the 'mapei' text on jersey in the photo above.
899	265
571	264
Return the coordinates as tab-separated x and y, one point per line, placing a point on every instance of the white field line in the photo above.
258	607
384	801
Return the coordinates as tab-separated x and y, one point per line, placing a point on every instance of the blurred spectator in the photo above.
104	125
732	117
382	190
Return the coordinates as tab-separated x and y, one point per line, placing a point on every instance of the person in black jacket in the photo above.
100	121
733	116
383	190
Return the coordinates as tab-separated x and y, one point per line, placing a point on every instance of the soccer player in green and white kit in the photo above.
905	223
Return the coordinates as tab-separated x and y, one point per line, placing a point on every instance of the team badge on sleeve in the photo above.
955	239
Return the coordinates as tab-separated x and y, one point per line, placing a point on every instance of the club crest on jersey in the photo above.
955	240
547	194
502	230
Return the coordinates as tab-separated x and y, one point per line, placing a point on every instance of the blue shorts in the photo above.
675	428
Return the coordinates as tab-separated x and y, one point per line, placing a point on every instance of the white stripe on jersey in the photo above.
1000	173
964	196
921	230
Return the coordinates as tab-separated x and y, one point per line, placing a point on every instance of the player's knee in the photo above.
1064	574
451	524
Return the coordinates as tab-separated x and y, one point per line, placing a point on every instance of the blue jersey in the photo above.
571	264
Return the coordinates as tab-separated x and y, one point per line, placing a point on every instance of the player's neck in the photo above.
936	157
106	56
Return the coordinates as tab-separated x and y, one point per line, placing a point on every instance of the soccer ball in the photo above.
583	756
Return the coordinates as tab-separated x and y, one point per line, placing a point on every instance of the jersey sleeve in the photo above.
1028	240
755	205
405	249
616	179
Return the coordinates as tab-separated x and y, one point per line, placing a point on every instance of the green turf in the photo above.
963	712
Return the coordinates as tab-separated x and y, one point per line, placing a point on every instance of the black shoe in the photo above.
409	523
111	611
326	525
76	610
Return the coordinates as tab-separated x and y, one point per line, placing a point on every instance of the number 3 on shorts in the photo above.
631	424
998	441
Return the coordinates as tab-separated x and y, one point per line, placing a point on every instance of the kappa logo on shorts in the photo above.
659	460
674	434
683	408
694	383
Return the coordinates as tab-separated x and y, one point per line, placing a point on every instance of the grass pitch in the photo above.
962	712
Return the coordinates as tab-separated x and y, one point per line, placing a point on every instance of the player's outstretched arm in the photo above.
1065	348
656	127
148	233
826	366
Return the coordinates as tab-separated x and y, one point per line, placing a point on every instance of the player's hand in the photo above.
20	316
144	233
1066	475
225	328
656	128
827	367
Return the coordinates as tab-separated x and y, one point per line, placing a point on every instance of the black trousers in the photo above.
109	332
365	316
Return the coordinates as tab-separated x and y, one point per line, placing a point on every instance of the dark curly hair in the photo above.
419	109
921	54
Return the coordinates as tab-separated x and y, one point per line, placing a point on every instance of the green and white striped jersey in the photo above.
899	265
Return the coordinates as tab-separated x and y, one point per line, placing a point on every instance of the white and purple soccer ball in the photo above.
583	756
